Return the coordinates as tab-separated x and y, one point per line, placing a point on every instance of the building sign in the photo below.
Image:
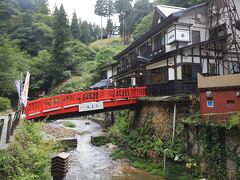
182	35
178	35
91	106
210	104
24	95
171	37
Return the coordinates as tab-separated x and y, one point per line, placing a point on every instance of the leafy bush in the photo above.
29	157
4	104
69	124
120	127
234	120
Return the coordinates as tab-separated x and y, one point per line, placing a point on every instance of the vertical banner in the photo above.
24	95
18	86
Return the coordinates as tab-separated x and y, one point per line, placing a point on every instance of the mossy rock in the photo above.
98	140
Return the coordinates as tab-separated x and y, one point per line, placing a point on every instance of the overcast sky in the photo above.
83	8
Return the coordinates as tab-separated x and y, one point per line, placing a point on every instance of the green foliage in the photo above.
75	28
142	8
29	157
4	104
116	41
234	120
215	151
69	124
40	71
85	33
119	128
109	27
12	62
173	170
143	27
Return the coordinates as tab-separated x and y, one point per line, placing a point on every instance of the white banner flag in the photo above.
25	90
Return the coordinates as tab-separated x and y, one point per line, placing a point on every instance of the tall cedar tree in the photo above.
101	10
109	8
109	27
85	32
75	28
124	9
59	54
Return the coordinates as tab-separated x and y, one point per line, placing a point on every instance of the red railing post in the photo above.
62	102
115	94
41	106
26	110
130	93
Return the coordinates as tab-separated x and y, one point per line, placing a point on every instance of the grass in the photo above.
69	124
116	41
176	171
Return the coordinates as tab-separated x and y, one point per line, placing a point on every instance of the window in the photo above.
189	72
158	41
230	101
196	37
159	75
212	68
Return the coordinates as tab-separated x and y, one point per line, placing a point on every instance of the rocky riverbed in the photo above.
89	162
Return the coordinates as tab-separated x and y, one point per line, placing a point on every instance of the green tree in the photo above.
141	9
123	8
109	8
85	32
109	27
75	29
59	54
42	6
143	27
40	72
12	62
101	10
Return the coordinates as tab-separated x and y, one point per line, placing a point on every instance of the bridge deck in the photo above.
83	101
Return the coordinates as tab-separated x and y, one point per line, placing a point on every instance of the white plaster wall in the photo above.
171	74
179	72
157	65
109	73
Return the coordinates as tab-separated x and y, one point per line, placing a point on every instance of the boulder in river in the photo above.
99	140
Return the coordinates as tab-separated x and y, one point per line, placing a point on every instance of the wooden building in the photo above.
219	96
168	57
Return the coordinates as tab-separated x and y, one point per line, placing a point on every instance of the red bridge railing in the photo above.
60	103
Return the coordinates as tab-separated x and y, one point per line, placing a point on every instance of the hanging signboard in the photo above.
182	35
178	35
171	37
24	95
91	106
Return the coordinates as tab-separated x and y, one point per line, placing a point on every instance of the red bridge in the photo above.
84	102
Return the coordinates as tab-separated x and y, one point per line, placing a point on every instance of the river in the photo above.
89	162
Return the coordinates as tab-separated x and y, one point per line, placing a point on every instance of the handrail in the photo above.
63	100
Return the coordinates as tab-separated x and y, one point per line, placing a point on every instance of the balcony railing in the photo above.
135	63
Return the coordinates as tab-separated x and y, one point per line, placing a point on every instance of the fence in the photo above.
7	127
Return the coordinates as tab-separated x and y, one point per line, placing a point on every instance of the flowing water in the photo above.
89	162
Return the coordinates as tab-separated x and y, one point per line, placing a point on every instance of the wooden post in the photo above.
1	127
9	128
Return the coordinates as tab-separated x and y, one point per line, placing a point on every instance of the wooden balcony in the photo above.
171	88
